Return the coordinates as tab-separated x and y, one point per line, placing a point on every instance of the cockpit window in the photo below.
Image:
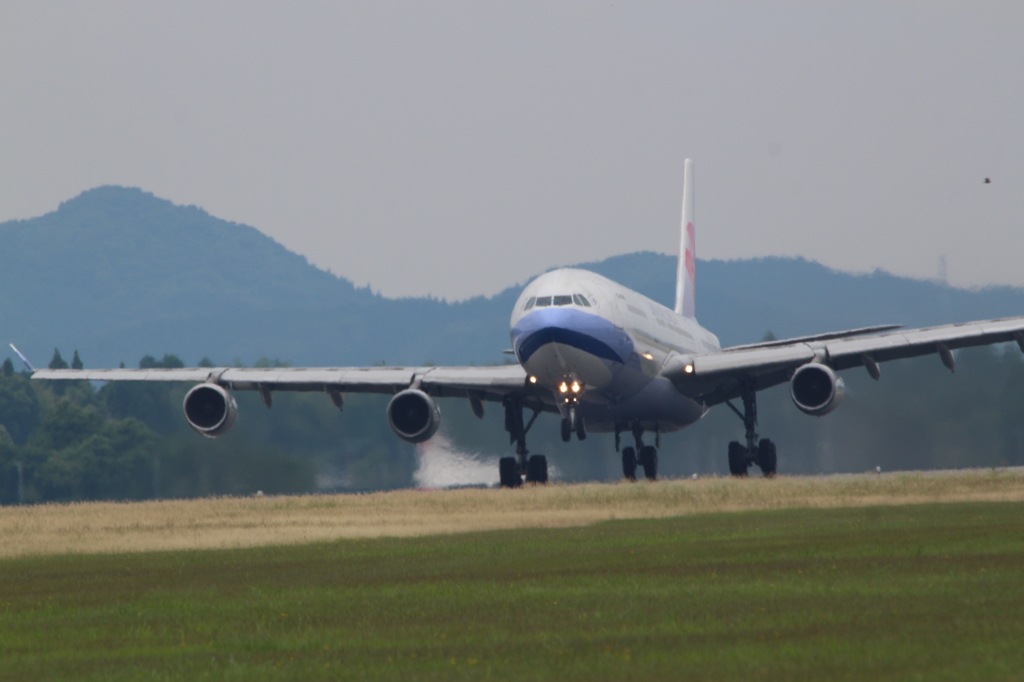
562	299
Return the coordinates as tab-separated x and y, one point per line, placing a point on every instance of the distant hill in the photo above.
118	273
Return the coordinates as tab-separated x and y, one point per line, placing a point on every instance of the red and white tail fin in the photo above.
686	304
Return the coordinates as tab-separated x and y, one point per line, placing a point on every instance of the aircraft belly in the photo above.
658	405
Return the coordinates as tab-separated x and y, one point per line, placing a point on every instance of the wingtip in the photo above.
23	358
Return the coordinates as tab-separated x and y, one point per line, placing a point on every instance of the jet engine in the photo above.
210	410
414	416
816	389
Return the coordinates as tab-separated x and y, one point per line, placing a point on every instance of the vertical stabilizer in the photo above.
686	304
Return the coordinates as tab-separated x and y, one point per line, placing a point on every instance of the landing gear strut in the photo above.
512	469
760	453
573	423
644	455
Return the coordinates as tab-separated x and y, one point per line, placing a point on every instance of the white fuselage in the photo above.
572	325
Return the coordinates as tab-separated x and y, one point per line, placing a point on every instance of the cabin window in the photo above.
543	301
636	311
563	300
580	300
529	303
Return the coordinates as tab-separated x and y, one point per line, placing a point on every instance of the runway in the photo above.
233	522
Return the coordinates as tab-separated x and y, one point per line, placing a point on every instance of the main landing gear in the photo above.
644	455
512	469
760	453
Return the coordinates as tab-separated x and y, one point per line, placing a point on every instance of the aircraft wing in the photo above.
485	383
717	377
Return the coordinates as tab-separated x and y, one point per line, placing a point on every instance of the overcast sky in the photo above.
456	148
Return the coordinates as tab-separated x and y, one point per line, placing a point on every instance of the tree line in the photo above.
67	441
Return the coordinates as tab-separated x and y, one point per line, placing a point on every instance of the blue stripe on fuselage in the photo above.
588	332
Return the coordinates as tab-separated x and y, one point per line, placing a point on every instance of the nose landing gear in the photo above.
573	423
569	392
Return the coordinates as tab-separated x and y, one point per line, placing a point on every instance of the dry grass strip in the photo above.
246	522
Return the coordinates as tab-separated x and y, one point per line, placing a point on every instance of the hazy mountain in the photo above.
118	272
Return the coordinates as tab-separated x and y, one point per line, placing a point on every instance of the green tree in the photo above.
76	362
8	469
67	424
57	362
171	361
20	411
267	362
79	454
168	362
149	402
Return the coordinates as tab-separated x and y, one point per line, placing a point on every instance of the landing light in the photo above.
575	387
563	387
688	369
533	380
648	356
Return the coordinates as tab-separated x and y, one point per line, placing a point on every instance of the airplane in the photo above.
602	357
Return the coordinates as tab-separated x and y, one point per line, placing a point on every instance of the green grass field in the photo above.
911	592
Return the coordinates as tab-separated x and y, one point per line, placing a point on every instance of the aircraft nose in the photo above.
584	331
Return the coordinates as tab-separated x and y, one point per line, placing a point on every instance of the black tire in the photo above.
581	429
508	472
629	463
537	469
737	459
767	458
649	461
566	430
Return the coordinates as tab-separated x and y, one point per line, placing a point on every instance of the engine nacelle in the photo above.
816	389
210	410
414	416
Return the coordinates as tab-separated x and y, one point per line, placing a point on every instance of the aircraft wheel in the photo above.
508	472
629	463
537	469
581	429
649	461
767	458
566	430
737	459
